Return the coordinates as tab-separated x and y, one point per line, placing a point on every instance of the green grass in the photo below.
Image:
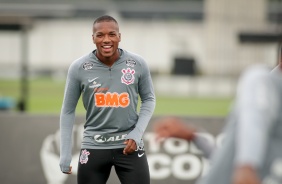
192	106
46	95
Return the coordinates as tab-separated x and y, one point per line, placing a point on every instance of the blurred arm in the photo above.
67	118
175	127
258	108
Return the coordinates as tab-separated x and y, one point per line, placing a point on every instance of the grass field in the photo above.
45	97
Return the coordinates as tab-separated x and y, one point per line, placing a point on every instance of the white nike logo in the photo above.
91	80
140	155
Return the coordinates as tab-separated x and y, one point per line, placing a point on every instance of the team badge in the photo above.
128	76
130	63
87	65
84	156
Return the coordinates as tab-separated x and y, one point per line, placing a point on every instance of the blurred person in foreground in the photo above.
252	150
110	79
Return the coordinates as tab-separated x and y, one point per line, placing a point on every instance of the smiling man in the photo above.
106	37
109	79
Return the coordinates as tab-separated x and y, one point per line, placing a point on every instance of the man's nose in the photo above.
106	38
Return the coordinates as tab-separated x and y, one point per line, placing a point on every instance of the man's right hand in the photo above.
69	172
173	127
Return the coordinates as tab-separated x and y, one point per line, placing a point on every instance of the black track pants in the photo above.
95	165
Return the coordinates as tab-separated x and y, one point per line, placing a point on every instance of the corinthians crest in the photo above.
84	156
128	76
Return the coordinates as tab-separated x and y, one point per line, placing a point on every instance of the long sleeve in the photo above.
204	145
258	108
67	117
148	102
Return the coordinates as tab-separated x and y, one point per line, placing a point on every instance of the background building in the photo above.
210	40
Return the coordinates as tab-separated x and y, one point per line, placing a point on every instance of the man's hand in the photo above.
130	146
69	171
173	127
245	174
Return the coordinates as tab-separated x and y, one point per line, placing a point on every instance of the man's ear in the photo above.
119	35
93	39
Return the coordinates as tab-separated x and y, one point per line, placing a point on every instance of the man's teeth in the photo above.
107	47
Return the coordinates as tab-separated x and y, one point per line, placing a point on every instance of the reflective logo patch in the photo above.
130	63
102	139
94	82
128	76
87	65
84	156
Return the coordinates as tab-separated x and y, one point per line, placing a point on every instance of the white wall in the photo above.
213	42
56	43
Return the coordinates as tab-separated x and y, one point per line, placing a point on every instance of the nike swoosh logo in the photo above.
140	155
91	80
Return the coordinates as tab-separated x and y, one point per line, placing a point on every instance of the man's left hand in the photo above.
130	146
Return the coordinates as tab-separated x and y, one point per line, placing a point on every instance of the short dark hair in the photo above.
105	18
